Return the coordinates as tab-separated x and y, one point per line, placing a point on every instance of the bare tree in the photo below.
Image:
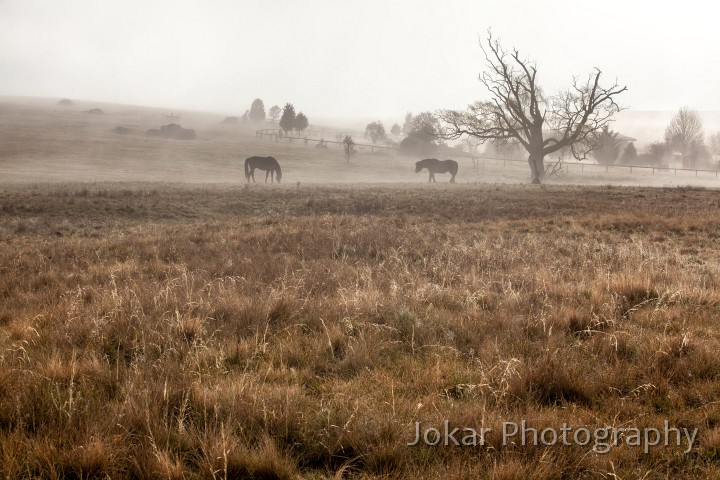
685	136
519	110
715	143
470	145
505	149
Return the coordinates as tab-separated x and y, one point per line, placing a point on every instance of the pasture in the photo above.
161	319
41	141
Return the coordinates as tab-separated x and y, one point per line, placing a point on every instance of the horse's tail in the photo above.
247	169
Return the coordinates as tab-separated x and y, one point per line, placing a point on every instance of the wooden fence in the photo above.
479	161
277	136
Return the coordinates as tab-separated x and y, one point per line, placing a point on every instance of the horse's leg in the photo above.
452	179
432	175
252	174
266	175
272	176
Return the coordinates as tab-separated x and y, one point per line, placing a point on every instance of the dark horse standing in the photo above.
436	166
269	164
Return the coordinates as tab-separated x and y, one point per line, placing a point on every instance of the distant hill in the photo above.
645	126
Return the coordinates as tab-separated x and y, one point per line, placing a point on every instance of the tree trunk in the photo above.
537	167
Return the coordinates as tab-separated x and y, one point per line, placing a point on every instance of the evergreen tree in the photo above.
287	121
408	125
257	111
301	122
609	147
630	155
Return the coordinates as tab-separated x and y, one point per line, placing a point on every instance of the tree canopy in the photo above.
609	146
375	132
425	126
301	122
423	134
257	111
407	124
274	112
630	155
287	120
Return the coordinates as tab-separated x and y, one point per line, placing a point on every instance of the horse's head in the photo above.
278	176
418	167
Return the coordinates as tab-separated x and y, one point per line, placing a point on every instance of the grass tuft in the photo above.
188	332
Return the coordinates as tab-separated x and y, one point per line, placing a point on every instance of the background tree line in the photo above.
289	119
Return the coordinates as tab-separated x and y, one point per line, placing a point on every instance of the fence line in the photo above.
270	132
479	161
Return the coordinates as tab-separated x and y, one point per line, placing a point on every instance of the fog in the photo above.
45	142
343	64
344	60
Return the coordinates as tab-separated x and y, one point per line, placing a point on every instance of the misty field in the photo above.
42	142
167	331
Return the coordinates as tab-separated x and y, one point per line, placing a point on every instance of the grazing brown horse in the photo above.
268	164
436	166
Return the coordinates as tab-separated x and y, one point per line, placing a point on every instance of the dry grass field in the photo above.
217	332
159	319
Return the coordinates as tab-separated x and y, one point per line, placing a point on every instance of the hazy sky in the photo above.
340	59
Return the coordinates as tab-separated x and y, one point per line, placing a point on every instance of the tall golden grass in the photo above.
151	331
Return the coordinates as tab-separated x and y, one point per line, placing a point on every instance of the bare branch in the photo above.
518	110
